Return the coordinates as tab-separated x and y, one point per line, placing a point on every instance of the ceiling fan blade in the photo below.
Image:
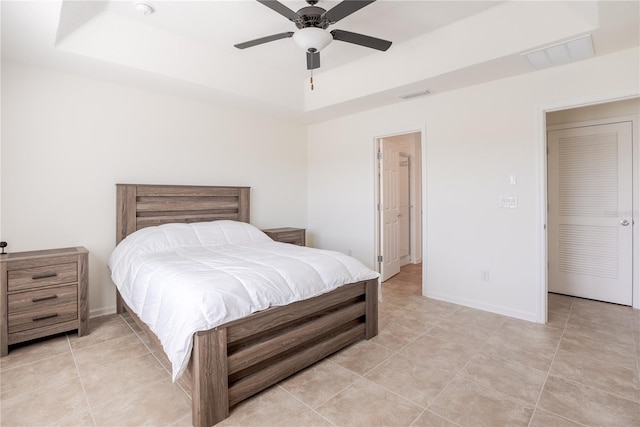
360	39
344	9
281	9
261	40
313	60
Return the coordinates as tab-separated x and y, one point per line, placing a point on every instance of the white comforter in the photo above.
184	278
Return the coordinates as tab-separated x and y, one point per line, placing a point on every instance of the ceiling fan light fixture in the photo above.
312	38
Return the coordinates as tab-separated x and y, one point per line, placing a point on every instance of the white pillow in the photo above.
178	235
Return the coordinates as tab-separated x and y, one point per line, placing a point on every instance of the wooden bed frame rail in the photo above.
241	358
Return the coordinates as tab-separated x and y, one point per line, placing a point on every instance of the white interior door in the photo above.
404	208
590	212
389	212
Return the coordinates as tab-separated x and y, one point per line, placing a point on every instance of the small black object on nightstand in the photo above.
3	245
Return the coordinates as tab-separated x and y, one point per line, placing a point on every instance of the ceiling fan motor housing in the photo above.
311	16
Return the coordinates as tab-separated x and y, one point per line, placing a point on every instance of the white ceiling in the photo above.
186	47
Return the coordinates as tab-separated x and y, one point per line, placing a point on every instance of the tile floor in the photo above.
433	364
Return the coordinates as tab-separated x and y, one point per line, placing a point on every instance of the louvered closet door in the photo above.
590	201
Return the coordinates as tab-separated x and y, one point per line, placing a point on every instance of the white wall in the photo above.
67	140
475	138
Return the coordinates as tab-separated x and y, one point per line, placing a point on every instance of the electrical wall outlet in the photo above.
484	275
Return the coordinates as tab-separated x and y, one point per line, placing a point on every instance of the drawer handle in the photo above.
44	316
43	276
44	298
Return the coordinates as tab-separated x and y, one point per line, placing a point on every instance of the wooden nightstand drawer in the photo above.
295	236
42	307
36	277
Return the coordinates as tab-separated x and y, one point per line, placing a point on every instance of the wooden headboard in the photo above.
140	206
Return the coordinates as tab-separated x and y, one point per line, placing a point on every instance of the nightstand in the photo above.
43	293
291	235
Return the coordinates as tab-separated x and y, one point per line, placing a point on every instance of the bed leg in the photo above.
210	390
119	303
371	312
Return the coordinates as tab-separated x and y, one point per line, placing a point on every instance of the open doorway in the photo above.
592	224
398	202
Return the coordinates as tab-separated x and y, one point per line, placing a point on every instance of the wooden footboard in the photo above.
239	359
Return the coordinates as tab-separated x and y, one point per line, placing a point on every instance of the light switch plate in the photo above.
508	202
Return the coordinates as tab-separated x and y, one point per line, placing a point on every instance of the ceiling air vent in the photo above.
561	53
415	94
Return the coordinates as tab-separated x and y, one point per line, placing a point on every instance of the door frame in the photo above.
420	209
542	190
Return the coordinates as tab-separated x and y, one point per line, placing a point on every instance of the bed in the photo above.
235	360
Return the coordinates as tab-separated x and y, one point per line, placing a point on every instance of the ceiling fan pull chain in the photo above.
311	80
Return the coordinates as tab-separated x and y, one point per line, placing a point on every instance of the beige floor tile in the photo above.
110	351
418	383
542	418
594	377
613	379
522	329
478	318
558	301
387	310
557	320
591	307
461	333
535	353
361	357
319	383
429	419
433	307
597	332
162	359
396	300
103	329
43	373
33	351
161	403
79	419
618	354
587	405
129	320
379	407
183	422
273	407
613	315
45	406
394	335
469	404
437	353
104	383
403	286
509	377
415	318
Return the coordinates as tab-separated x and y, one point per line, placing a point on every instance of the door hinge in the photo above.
379	206
379	258
379	155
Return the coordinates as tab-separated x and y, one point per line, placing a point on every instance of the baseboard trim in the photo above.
523	315
104	311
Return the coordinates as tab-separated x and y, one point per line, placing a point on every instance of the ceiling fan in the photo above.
312	22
